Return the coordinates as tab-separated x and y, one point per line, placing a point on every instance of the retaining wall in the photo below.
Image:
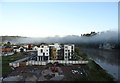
32	62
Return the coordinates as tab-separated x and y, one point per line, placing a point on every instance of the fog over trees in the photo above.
88	39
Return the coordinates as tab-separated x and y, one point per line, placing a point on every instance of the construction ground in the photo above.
44	73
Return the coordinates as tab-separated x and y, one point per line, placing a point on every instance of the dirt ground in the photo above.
37	71
69	76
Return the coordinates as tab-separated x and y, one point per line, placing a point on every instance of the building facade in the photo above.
68	51
6	50
35	48
55	52
43	53
20	49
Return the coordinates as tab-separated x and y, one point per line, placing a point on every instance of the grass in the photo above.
7	59
96	73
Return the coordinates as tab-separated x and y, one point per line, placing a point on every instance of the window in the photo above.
41	50
72	52
65	53
68	54
43	54
65	46
72	47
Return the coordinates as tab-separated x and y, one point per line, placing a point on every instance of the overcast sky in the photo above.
43	19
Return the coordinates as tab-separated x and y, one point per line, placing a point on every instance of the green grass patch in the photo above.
96	73
7	59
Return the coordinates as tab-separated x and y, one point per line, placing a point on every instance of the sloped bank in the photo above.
96	73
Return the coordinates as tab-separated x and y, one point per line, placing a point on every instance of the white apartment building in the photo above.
68	51
43	53
47	52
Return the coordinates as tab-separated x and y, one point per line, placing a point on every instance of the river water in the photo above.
107	59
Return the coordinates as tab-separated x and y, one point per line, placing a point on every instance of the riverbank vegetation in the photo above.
94	71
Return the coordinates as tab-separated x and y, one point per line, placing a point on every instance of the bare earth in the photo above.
44	73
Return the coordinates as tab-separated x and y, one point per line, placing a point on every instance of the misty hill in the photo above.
97	38
102	37
12	39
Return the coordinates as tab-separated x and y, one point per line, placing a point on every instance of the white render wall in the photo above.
66	52
45	50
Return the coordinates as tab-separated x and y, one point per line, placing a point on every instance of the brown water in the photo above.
107	59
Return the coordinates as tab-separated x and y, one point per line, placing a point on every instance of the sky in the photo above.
47	19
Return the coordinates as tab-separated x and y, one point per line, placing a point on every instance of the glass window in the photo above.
65	46
41	50
65	53
72	47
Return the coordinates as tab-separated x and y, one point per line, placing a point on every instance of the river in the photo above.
107	59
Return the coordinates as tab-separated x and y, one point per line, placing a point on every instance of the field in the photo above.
7	59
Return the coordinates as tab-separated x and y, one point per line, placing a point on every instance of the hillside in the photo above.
12	39
96	39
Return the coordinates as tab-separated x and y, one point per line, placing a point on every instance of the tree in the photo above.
89	34
43	43
76	57
77	50
7	44
62	44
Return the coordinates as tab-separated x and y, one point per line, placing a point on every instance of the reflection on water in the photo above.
108	60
